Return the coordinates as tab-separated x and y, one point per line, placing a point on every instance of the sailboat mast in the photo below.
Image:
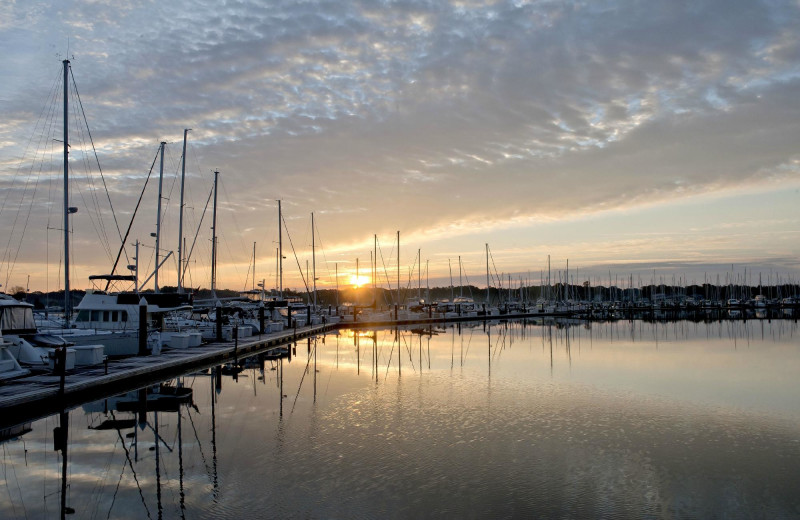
487	273
180	218
549	294
214	240
67	299
398	267
158	214
280	252
419	275
427	283
136	284
313	260
450	267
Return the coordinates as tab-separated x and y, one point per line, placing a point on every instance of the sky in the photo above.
652	140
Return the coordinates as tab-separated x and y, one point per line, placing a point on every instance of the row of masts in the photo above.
567	288
158	260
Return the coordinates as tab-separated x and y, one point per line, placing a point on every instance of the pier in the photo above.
36	396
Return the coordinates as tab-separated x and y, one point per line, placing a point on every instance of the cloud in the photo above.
425	115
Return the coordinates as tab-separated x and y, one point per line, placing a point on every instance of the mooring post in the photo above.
260	319
61	367
142	327
219	321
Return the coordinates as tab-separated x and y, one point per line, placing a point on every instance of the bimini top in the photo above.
16	317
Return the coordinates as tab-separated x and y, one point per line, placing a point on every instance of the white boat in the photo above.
113	320
24	342
9	366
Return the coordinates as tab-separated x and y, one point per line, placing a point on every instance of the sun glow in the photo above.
359	280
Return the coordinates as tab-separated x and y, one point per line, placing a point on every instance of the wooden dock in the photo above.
33	397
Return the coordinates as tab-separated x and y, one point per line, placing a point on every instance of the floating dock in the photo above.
33	397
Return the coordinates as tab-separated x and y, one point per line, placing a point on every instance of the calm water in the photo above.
625	420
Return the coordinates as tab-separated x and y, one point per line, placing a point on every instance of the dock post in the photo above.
61	368
260	319
219	322
142	327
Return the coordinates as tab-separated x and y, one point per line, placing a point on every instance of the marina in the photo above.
47	391
32	396
592	312
537	417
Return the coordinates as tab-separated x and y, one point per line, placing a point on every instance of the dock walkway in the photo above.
39	395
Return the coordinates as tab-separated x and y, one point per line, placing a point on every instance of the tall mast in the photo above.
67	299
427	283
450	267
158	214
136	276
375	265
254	266
313	260
398	267
214	240
280	252
460	285
487	273
419	275
180	218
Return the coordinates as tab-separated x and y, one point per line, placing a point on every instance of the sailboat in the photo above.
22	339
114	316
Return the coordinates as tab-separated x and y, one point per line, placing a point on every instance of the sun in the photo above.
359	280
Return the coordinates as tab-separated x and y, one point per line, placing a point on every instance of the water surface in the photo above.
608	420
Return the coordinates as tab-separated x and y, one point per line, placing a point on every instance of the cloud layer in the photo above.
441	119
